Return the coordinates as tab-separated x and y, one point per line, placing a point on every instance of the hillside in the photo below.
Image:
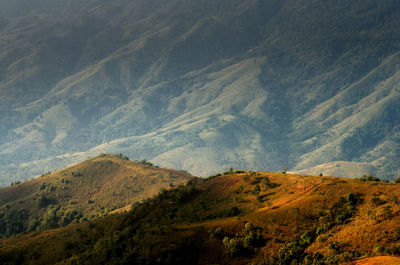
234	218
82	192
201	85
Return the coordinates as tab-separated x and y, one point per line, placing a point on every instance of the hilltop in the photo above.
201	85
81	192
234	218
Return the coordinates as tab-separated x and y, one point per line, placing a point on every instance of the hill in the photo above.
234	218
274	84
82	192
381	260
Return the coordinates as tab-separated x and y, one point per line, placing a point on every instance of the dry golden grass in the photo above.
380	260
94	188
285	208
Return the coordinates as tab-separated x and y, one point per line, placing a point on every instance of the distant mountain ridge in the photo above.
200	86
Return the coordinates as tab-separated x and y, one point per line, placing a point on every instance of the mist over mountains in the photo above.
201	85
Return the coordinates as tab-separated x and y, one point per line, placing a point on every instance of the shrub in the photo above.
256	190
369	178
42	201
320	230
234	211
351	199
290	252
232	246
306	239
376	201
122	156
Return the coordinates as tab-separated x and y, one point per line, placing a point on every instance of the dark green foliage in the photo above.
42	201
341	211
233	211
268	184
232	246
256	190
369	178
122	156
344	209
230	171
245	243
217	233
292	251
376	201
145	162
386	213
213	176
12	222
306	239
396	180
184	193
76	174
351	199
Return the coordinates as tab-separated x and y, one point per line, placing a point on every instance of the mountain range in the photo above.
203	86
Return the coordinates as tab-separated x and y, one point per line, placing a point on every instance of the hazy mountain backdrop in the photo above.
201	85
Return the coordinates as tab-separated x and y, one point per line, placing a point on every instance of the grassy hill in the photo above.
234	218
82	192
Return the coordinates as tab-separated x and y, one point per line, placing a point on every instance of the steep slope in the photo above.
276	84
235	218
81	192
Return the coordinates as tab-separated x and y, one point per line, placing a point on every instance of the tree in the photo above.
42	201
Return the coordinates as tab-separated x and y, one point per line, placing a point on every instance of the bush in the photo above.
42	201
376	201
290	252
244	245
351	199
369	178
232	246
234	211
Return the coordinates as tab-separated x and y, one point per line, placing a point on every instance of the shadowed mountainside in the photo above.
200	86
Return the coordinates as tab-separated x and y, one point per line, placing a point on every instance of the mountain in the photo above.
201	85
233	218
97	187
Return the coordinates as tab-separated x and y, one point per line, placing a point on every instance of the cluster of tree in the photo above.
122	156
244	243
295	252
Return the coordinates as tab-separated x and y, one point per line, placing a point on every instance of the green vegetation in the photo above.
369	178
245	242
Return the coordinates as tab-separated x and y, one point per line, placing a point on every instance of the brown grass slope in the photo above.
83	191
298	220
